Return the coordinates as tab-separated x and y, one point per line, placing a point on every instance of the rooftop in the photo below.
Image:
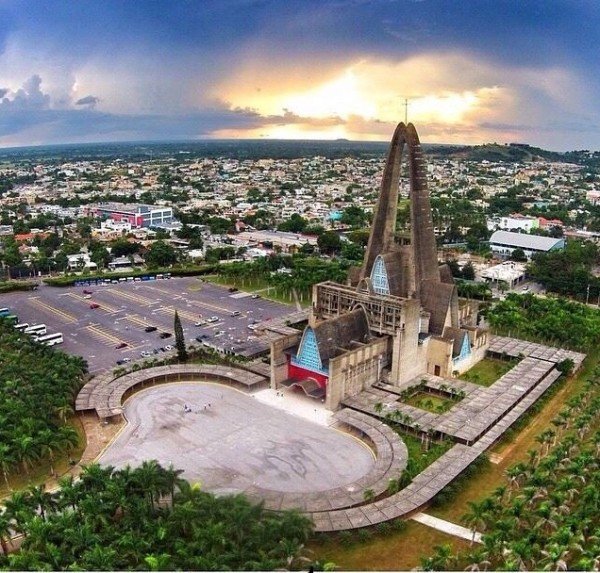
524	241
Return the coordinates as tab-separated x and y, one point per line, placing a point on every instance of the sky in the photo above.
471	71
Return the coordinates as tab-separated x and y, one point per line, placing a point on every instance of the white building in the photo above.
508	272
514	222
119	226
80	261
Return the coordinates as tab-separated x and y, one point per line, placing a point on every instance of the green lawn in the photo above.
260	286
430	402
486	372
382	551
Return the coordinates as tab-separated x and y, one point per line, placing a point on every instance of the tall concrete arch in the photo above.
381	240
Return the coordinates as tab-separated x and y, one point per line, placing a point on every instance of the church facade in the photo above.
398	317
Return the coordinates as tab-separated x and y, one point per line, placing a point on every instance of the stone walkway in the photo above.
104	393
470	417
447	527
479	422
514	347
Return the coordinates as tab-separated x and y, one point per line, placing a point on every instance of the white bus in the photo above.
36	330
21	326
50	339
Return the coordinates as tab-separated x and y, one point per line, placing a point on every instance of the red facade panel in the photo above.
299	373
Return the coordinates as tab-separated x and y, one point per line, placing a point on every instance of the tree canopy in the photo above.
38	386
558	321
146	519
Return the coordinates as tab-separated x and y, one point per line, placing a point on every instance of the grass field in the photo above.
261	286
487	371
430	402
403	549
393	551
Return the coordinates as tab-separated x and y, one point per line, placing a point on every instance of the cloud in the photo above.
3	92
89	100
29	97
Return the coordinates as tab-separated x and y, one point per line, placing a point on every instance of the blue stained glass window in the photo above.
308	354
465	349
379	277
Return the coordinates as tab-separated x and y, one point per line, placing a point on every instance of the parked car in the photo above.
150	328
144	353
255	296
236	313
87	296
165	335
232	289
168	347
94	305
122	345
213	319
87	291
200	323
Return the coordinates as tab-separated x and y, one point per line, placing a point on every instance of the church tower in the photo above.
400	312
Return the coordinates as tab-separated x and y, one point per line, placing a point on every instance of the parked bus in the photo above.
36	330
21	326
4	311
50	339
11	318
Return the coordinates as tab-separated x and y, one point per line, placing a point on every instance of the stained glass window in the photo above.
308	354
379	277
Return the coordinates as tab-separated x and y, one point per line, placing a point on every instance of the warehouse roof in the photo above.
524	241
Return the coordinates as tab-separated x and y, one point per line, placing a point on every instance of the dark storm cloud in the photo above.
88	100
186	47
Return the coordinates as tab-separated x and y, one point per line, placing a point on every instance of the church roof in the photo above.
458	336
335	334
438	298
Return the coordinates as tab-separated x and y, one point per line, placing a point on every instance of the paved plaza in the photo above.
237	443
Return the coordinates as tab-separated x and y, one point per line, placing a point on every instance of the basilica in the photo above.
398	316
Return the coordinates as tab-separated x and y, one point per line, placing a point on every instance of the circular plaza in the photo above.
230	442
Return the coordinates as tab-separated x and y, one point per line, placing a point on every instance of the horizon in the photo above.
495	70
272	140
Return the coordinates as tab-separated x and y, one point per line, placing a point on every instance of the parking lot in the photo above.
108	323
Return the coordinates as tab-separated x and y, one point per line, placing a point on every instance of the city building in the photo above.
509	273
513	222
137	214
398	317
503	243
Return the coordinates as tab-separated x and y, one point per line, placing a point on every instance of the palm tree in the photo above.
25	450
48	443
477	517
41	499
68	438
5	530
6	462
18	508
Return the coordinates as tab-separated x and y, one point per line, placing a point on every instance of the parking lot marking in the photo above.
142	300
182	313
105	336
209	306
62	314
136	320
